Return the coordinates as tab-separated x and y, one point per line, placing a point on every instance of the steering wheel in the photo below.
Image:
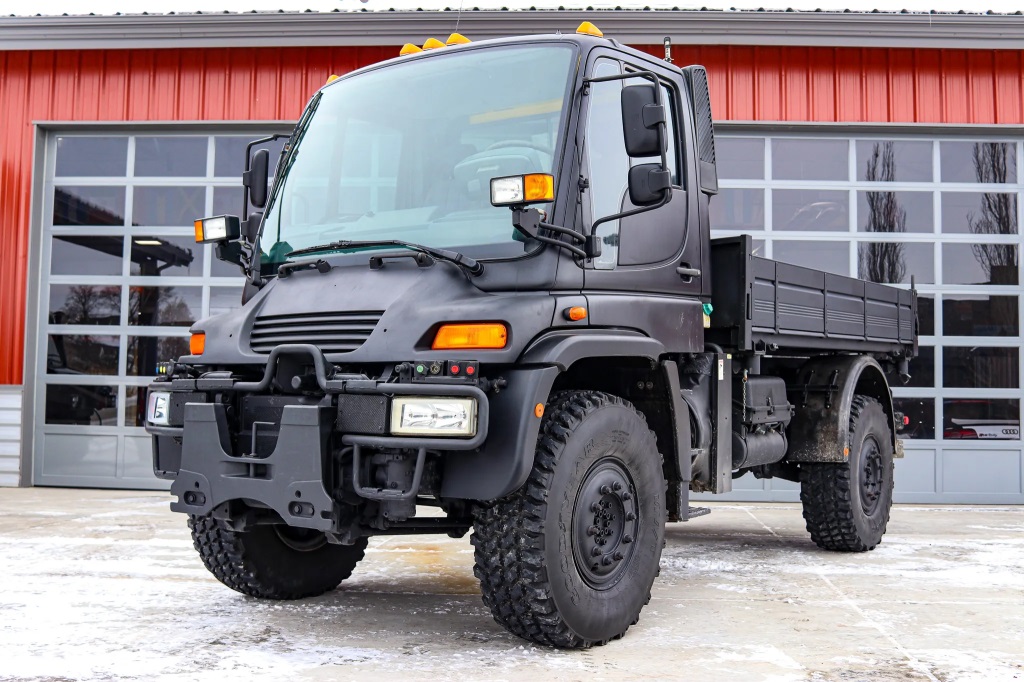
518	143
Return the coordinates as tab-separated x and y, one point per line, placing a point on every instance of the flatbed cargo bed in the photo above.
765	305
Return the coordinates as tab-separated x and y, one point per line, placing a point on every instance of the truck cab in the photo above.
482	279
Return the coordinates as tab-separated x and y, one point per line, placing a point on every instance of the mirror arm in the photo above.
631	212
248	167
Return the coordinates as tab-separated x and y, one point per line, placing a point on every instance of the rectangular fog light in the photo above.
158	408
414	416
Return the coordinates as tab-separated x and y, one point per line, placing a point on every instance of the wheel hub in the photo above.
300	539
872	476
606	524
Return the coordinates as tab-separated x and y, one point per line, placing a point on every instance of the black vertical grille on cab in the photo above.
330	332
698	79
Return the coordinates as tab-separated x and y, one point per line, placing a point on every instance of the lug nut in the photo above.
616	486
606	561
606	490
619	556
627	496
630	516
595	507
595	552
626	539
592	530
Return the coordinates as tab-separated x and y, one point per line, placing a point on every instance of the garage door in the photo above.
121	282
943	211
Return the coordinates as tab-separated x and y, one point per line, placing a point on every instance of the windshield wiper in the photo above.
469	265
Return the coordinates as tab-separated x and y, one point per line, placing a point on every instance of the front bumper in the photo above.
208	467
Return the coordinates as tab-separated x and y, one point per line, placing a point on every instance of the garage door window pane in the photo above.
809	159
896	262
980	367
895	212
984	162
925	314
981	419
85	304
145	351
979	264
894	161
168	206
227	201
96	256
804	209
166	257
980	315
165	306
81	354
738	209
827	256
979	213
92	156
81	405
88	205
229	154
740	157
170	157
921	413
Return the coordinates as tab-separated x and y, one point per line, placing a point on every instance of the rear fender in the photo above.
823	395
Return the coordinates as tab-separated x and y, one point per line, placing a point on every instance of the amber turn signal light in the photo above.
576	313
197	343
491	335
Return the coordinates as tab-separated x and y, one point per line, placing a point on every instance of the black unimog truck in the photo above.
482	280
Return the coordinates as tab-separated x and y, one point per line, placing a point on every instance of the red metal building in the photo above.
777	79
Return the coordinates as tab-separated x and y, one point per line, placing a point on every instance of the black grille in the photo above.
330	332
705	127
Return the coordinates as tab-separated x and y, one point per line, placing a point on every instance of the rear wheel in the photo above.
273	562
846	505
569	559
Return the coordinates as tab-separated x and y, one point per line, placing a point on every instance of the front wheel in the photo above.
846	505
273	562
569	559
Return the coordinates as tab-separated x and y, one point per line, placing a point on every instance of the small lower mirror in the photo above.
648	183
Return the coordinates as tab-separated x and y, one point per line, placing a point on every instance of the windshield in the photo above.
407	152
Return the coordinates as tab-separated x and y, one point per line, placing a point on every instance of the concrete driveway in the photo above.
105	585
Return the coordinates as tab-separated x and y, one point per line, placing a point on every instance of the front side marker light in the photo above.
157	408
218	229
197	343
482	336
433	416
518	190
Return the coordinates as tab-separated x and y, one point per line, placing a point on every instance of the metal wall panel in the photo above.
10	435
747	83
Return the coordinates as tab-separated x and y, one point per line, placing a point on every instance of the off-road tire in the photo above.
259	563
846	505
527	547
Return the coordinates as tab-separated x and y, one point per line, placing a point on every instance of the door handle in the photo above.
688	272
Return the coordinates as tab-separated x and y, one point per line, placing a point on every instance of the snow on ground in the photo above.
103	586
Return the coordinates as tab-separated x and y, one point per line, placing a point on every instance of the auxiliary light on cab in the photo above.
478	336
517	190
222	228
416	416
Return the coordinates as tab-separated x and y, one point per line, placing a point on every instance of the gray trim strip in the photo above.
685	27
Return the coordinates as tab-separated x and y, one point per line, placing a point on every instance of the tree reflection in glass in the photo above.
993	163
883	261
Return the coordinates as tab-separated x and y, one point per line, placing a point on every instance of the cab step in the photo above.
694	512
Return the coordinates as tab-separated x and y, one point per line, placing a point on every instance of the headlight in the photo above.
158	408
433	416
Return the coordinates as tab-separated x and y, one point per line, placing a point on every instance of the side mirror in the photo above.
255	179
642	119
648	183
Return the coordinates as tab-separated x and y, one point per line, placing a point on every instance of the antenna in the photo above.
458	17
668	49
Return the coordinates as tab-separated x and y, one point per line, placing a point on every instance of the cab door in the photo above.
652	251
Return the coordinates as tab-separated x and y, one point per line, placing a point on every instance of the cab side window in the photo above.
607	165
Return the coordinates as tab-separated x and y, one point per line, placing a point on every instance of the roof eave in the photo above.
637	27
